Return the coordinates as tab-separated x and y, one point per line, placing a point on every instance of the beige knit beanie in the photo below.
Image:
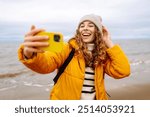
97	20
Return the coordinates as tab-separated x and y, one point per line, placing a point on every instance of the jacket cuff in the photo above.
22	58
115	50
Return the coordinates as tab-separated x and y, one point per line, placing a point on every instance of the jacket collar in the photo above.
73	43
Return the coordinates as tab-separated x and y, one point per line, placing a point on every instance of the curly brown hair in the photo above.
98	55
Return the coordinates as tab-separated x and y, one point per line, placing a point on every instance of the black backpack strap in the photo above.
62	68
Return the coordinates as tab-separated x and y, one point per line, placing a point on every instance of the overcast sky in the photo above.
124	18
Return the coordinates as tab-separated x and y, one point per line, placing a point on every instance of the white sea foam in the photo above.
134	63
7	88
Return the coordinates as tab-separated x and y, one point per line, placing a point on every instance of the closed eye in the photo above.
82	26
91	25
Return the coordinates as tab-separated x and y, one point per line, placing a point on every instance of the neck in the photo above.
90	46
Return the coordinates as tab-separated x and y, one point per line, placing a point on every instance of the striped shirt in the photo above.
88	89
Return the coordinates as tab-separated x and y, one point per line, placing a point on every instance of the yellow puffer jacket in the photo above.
70	83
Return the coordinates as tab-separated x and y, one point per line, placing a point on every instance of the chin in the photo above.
87	41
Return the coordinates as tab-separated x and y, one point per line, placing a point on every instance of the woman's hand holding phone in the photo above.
33	42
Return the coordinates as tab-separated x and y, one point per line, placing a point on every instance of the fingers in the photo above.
36	44
106	34
36	38
32	27
104	28
34	32
35	50
32	43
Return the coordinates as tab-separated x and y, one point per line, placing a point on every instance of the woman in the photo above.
95	55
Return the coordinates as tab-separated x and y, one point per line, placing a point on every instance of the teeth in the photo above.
86	34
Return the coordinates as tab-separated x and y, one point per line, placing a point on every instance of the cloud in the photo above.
124	18
42	10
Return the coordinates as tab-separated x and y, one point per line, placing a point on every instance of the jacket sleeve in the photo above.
117	65
45	62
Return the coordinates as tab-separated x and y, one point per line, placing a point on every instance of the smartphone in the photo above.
55	41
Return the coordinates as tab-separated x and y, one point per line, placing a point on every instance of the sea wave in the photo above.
138	53
37	85
7	88
31	84
6	75
137	62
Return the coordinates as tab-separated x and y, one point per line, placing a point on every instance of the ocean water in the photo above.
18	82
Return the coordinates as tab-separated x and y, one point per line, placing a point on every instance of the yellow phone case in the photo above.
55	41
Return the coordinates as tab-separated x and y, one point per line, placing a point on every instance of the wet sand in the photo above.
123	89
134	92
131	92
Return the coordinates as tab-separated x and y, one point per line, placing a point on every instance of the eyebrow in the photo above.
91	23
88	23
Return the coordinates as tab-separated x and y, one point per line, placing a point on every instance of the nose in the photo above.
85	28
